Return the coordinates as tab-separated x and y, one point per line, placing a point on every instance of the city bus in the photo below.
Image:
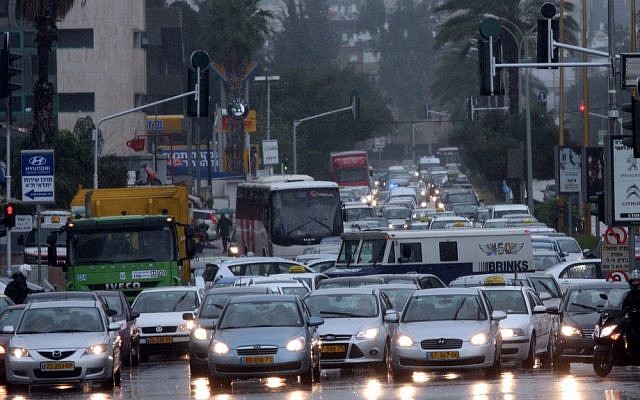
282	215
449	155
349	168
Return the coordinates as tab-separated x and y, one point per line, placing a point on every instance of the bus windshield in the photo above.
304	216
135	245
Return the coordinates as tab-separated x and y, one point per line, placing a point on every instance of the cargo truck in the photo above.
128	239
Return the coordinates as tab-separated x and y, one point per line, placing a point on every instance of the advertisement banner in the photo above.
594	170
569	169
625	183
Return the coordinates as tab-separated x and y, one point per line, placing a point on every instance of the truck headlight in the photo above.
367	334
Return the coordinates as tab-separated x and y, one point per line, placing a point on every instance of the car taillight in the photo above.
213	218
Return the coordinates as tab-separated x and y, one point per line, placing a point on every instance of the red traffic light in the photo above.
9	215
582	107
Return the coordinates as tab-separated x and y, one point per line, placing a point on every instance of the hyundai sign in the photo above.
38	172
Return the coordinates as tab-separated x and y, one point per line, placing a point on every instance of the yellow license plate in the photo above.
258	360
333	348
443	355
160	340
57	366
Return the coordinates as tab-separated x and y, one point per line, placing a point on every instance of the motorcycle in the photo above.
616	341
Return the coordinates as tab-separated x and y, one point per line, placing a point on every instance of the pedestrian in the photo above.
17	290
224	230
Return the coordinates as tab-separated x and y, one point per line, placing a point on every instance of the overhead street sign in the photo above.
38	176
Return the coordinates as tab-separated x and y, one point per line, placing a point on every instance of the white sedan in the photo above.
526	331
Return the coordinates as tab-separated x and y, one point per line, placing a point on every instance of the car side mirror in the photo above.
498	315
114	326
133	315
552	310
539	310
315	321
391	317
8	329
188	316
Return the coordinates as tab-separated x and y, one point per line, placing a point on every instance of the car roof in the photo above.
505	288
383	286
442	291
64	303
345	290
362	278
263	297
597	284
237	289
255	260
65	294
170	289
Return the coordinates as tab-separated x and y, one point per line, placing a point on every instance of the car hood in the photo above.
443	329
155	319
582	321
58	341
346	326
268	336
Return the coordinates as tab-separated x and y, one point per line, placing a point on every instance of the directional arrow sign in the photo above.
32	194
38	173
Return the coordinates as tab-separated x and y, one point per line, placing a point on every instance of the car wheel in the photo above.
195	369
135	360
559	365
307	378
16	388
317	371
383	367
494	370
531	356
144	357
547	358
109	383
401	376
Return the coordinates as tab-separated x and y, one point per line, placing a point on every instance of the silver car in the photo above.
449	328
354	333
264	336
209	312
63	341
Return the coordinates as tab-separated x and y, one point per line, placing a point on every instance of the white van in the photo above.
502	210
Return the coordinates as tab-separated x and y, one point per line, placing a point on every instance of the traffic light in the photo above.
544	55
9	215
9	67
634	124
484	61
203	93
582	107
285	165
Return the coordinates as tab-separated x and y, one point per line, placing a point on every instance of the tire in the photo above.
401	376
109	383
561	366
493	371
306	379
195	370
531	356
383	367
547	359
603	362
135	360
317	371
15	388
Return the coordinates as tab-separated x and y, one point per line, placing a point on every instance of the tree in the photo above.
233	32
44	14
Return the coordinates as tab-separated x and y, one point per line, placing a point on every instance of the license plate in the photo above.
57	366
443	355
258	360
160	340
333	348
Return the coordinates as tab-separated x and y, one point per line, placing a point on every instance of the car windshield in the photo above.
166	301
397	213
544	261
548	285
586	300
60	319
569	246
298	291
260	314
343	305
113	302
213	304
354	214
444	307
461	198
509	301
398	297
10	317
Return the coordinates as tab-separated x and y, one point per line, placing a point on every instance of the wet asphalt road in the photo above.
169	379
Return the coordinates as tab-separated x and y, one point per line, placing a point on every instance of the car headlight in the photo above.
19	352
186	326
423	192
200	333
509	332
96	349
296	344
234	250
219	347
404	341
479	339
423	204
607	330
2	351
367	334
568	330
391	226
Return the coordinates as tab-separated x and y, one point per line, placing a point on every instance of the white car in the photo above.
526	331
571	272
311	279
284	285
258	266
443	329
161	325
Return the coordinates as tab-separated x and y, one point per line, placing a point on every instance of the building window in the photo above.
75	38
137	39
77	102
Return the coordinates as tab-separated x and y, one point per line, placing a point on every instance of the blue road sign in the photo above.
38	176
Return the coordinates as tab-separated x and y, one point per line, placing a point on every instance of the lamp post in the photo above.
268	79
527	102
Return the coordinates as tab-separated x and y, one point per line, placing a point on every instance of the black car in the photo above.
577	318
116	300
349	281
423	281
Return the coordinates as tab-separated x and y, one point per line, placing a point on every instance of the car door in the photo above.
540	322
385	305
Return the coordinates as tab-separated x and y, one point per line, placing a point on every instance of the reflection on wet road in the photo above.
170	379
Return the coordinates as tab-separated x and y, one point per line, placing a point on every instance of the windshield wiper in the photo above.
584	306
345	314
67	330
180	300
321	223
455	316
296	228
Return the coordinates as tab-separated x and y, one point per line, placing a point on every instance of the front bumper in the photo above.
284	363
575	348
469	357
27	370
157	344
351	352
515	348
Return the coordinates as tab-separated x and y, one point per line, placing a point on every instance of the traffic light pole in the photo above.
120	114
8	177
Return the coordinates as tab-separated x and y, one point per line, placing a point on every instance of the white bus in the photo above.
282	216
446	253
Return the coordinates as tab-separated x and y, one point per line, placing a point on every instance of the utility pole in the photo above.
585	119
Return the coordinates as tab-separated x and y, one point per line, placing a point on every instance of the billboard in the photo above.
569	169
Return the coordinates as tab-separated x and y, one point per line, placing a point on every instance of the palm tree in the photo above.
233	31
463	18
44	14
